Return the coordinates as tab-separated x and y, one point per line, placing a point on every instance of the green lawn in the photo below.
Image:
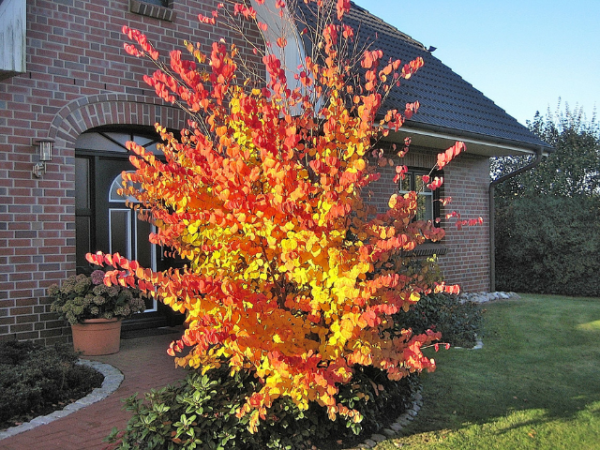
534	385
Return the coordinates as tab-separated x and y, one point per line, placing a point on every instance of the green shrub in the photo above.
200	411
36	380
549	245
459	321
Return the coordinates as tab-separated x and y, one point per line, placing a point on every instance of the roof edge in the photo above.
436	136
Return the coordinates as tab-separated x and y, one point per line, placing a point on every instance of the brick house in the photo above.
65	77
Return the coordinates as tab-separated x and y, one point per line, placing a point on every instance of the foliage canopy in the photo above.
572	169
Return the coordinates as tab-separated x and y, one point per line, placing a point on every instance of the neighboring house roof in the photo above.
451	108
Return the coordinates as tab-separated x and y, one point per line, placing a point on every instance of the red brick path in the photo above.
145	364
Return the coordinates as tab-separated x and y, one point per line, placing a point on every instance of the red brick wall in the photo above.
466	180
78	77
467	262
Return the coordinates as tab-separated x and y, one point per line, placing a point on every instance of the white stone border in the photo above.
112	380
395	428
484	297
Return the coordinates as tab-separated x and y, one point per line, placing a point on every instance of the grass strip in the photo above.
534	385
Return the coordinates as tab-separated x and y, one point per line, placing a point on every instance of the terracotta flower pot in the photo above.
97	336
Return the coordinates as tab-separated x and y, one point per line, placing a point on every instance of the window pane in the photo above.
121	138
425	207
419	185
117	184
144	253
143	246
407	183
120	231
153	148
82	183
83	242
142	140
95	141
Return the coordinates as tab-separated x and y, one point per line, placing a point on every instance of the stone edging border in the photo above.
112	380
484	297
394	429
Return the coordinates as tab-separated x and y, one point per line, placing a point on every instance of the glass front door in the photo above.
118	227
105	223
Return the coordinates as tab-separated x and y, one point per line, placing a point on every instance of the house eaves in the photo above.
441	138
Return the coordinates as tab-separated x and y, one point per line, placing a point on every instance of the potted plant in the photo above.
95	311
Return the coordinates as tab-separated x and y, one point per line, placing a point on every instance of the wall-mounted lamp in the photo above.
45	147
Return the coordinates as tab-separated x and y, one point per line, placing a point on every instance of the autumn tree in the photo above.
289	274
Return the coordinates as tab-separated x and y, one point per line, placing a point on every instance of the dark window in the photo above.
427	206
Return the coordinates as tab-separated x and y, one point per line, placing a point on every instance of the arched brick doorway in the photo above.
90	134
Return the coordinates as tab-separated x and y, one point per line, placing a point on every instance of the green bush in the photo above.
200	413
549	245
459	321
36	380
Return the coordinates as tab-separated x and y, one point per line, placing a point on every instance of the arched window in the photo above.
104	221
115	141
113	194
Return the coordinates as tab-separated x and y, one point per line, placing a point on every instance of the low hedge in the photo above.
549	245
458	320
200	412
36	380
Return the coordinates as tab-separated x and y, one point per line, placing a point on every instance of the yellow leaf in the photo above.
415	297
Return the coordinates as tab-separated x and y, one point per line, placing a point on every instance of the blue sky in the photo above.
522	54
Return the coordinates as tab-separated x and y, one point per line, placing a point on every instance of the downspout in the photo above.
532	165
